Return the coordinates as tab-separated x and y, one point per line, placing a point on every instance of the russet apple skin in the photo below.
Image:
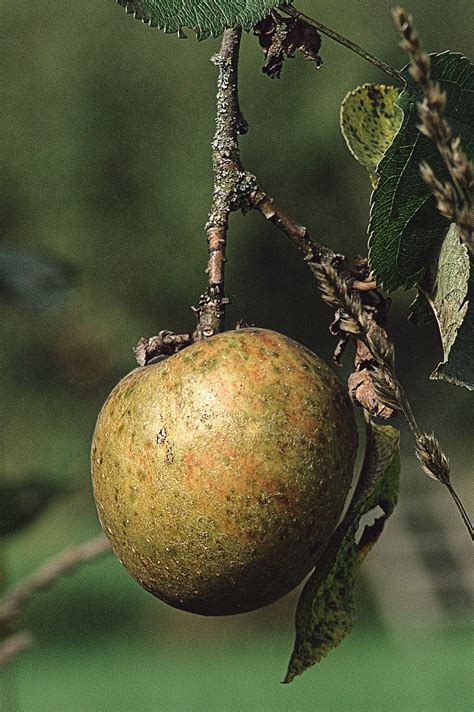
221	472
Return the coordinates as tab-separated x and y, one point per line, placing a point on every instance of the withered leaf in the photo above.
282	37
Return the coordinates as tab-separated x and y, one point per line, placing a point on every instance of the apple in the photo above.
221	472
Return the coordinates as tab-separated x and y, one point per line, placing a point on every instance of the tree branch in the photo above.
234	189
230	187
312	250
63	563
13	646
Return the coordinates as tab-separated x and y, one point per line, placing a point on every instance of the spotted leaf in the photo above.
370	120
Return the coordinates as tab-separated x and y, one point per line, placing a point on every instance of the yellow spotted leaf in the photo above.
369	122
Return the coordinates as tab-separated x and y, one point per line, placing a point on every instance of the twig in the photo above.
390	391
231	187
230	183
312	250
234	189
455	198
361	387
368	56
161	346
13	646
63	563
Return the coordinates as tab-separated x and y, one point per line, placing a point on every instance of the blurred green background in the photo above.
105	166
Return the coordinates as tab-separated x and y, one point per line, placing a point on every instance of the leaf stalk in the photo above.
346	42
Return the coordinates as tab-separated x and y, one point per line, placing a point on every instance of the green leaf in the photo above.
459	368
405	228
205	17
448	286
420	312
369	121
326	609
22	501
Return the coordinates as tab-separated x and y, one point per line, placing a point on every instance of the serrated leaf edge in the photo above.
201	33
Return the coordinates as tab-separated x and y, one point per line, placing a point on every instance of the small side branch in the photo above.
312	250
166	343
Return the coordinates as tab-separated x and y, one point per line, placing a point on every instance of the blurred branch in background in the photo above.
35	281
15	597
14	645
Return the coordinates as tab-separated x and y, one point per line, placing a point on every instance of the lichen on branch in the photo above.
231	184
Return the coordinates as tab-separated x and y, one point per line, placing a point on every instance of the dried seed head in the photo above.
456	198
432	459
411	44
381	348
335	292
443	192
386	388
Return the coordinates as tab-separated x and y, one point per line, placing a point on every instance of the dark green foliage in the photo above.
405	227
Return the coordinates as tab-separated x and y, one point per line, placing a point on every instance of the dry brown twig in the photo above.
230	183
455	198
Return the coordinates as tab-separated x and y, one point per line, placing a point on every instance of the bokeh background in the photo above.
105	174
